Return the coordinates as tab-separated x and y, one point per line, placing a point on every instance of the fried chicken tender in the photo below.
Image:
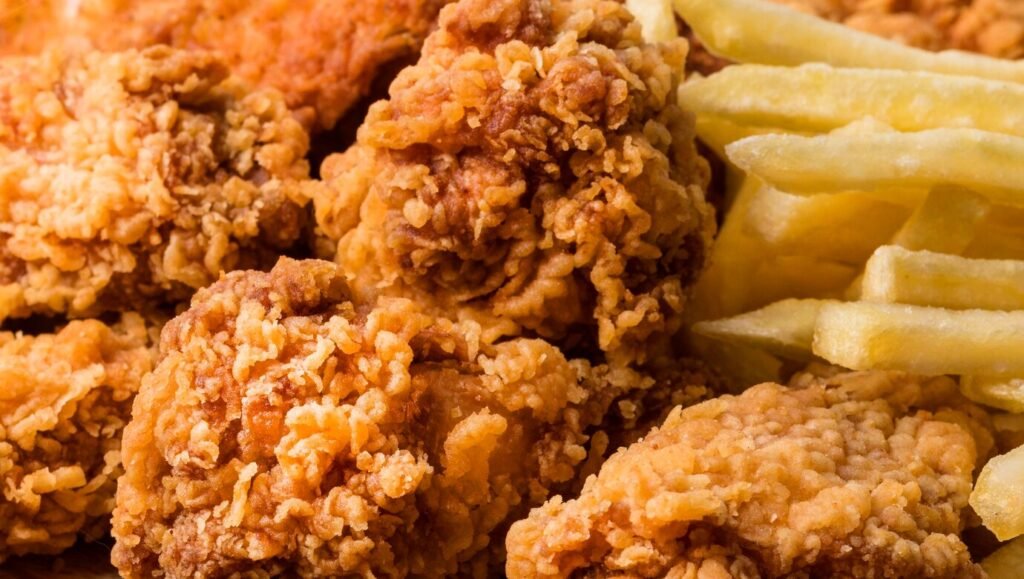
64	400
291	428
854	475
992	27
322	54
533	165
137	177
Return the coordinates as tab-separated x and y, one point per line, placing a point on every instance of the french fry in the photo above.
897	275
1004	393
1007	562
946	222
870	336
991	164
753	31
846	227
997	495
741	366
718	133
784	328
656	19
817	97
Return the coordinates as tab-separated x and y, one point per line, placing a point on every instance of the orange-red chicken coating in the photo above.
133	178
290	427
64	400
532	165
855	475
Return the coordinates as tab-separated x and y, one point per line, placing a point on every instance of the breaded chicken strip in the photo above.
136	177
857	475
532	165
993	27
322	54
64	400
291	428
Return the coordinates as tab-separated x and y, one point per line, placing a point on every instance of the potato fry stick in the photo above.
870	336
1006	562
656	19
783	328
896	275
997	495
945	222
755	31
1005	393
821	98
988	163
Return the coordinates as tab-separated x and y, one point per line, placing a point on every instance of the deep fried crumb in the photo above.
133	178
289	427
533	165
857	475
64	399
322	54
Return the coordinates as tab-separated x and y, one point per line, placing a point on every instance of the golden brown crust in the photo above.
533	165
64	400
289	426
136	177
856	475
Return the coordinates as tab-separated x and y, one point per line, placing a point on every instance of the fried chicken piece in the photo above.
322	54
137	177
291	428
64	400
855	475
992	27
533	165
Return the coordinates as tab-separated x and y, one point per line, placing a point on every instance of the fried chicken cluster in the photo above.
64	400
133	178
532	166
291	426
322	54
853	475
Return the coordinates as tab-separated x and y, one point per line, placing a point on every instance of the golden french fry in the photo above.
821	98
997	495
739	365
761	32
718	133
946	222
1007	562
897	163
897	275
872	336
1005	393
655	17
846	227
784	328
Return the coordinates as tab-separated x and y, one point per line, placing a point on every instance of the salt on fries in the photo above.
905	165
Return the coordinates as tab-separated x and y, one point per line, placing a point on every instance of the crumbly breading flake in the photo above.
533	165
854	475
64	400
134	178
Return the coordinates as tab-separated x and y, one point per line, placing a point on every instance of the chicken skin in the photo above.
291	428
322	54
64	400
131	179
532	166
853	475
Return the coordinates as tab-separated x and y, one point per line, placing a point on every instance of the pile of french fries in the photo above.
876	216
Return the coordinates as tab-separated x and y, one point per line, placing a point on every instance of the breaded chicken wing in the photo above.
136	177
290	427
855	475
322	54
64	400
532	165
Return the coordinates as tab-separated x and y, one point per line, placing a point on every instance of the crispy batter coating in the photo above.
136	177
855	475
291	428
322	54
533	165
64	400
993	27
